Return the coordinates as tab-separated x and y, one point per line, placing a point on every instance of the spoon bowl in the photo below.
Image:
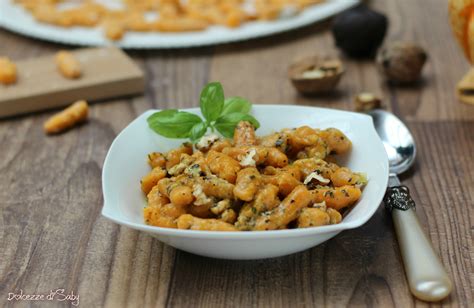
397	140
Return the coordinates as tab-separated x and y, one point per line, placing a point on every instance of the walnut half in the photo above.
315	74
366	101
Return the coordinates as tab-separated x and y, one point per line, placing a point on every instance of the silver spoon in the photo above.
426	275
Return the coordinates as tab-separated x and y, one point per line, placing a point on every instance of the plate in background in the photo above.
14	18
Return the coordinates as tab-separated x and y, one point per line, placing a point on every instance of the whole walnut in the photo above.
401	62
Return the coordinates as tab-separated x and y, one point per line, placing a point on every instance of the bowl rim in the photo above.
286	233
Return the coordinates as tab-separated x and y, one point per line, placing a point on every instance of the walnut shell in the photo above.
366	101
401	62
315	74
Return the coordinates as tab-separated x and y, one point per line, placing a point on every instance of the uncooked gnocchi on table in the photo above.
68	65
8	74
288	179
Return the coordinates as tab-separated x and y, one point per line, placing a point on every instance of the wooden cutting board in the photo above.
106	72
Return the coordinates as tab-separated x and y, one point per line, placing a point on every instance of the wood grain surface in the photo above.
106	72
52	235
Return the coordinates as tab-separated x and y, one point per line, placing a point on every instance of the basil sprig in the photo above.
219	114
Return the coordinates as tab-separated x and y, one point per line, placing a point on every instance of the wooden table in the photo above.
52	234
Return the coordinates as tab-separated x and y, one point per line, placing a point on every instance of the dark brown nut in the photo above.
401	62
315	74
366	101
359	31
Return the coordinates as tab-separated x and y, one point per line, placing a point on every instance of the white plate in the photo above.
125	164
14	18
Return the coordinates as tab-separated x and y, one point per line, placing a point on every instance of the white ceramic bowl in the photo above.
126	163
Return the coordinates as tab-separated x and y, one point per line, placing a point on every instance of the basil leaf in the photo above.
226	124
198	131
212	101
173	123
236	104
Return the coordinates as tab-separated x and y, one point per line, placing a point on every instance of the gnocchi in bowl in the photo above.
233	166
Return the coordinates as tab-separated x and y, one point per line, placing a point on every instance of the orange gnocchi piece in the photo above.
338	197
247	184
193	223
8	73
223	166
151	180
68	65
72	115
288	210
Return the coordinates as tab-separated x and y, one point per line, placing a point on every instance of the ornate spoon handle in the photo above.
426	275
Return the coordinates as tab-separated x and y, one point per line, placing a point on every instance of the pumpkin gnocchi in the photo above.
159	15
252	183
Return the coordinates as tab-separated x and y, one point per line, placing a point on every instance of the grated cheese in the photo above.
321	205
316	176
248	160
201	197
206	141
